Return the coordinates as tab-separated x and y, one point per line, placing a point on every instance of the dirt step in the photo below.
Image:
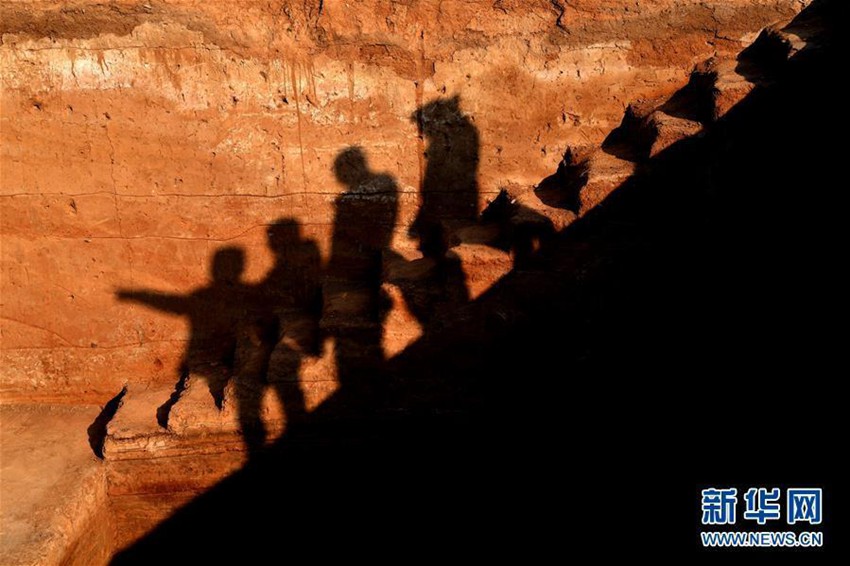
533	211
483	265
53	491
728	85
649	126
806	31
589	180
718	84
652	125
519	210
136	430
196	412
793	40
632	139
137	414
668	130
605	172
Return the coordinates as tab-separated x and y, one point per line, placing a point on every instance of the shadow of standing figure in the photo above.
436	284
215	313
354	304
449	191
282	327
448	213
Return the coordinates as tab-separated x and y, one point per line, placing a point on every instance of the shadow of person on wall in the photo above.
282	327
448	204
238	331
449	191
354	303
215	312
671	278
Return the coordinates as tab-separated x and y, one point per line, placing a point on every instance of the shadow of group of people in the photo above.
647	344
258	334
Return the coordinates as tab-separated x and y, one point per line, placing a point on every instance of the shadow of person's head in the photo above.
228	265
350	167
438	115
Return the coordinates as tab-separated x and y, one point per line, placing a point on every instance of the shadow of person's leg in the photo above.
283	375
249	397
249	380
359	361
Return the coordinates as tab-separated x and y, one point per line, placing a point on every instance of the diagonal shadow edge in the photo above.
637	229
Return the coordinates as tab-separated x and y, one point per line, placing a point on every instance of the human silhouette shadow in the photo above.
699	266
448	216
354	302
436	282
449	191
238	331
282	327
215	312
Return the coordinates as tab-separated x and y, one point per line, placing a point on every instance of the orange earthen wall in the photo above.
140	136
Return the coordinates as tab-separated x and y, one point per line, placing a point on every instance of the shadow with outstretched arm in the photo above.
683	338
215	313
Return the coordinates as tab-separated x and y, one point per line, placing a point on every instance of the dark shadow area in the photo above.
764	59
435	283
682	336
97	430
696	100
449	191
631	140
354	303
282	328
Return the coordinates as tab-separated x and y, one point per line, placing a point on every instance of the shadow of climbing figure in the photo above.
215	312
448	206
449	201
449	191
282	327
354	303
